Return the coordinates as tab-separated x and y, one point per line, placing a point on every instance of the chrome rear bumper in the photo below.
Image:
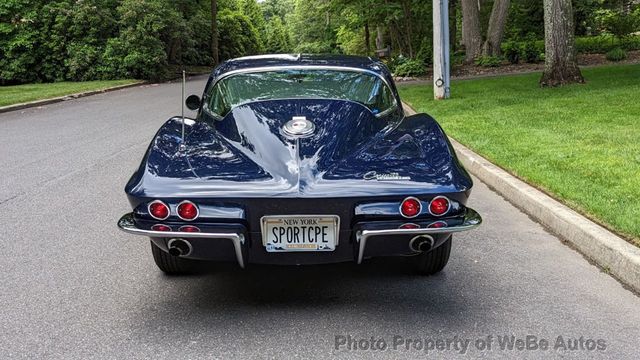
471	220
127	224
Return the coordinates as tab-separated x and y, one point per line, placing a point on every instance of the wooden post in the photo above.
441	49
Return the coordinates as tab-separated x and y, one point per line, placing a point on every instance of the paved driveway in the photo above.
73	286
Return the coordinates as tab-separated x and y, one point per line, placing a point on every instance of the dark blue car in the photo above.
299	160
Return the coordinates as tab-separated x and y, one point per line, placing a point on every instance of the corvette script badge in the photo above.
373	175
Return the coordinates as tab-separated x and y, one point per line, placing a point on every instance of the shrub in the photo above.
488	61
87	40
411	67
594	45
457	58
140	51
530	51
618	23
616	54
81	61
396	61
18	45
511	51
53	40
532	48
604	43
425	53
237	36
196	47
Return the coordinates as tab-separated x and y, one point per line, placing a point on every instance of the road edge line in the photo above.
611	252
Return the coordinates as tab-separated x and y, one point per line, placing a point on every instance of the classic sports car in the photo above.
299	160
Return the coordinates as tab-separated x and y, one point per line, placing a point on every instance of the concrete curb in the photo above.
36	103
603	247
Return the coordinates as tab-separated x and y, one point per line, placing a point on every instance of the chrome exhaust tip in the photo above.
421	243
179	247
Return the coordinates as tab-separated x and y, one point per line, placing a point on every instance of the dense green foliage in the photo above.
80	40
56	40
579	142
238	37
512	51
105	39
351	26
616	54
530	49
410	67
488	61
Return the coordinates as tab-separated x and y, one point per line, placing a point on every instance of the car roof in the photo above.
258	61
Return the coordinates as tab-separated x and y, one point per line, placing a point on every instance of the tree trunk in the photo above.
367	37
175	51
560	65
452	25
214	32
379	37
393	37
495	32
471	30
399	38
408	25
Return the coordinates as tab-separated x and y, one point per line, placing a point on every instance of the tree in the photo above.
147	27
526	17
253	11
214	32
312	26
453	25
238	37
279	8
495	32
560	66
619	23
471	30
367	37
278	41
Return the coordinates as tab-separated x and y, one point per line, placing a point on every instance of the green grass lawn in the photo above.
579	142
24	93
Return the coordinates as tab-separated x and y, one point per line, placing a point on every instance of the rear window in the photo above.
364	88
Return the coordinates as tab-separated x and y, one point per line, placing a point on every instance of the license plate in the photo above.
300	232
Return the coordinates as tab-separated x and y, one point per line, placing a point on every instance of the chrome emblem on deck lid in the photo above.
299	126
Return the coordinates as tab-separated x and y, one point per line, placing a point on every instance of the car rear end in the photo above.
293	231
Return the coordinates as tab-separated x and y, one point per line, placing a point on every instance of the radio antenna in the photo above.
184	80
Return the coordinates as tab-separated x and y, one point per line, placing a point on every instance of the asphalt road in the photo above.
74	286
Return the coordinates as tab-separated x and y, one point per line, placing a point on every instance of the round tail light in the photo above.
190	229
437	225
410	207
439	206
187	210
158	210
161	227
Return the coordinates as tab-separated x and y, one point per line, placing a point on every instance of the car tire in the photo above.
171	265
434	261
